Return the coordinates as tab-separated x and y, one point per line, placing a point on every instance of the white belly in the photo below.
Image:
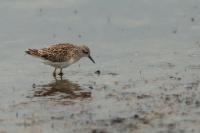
60	64
57	64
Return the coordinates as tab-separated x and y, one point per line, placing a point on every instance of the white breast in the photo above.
60	64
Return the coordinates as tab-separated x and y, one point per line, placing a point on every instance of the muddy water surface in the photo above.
146	76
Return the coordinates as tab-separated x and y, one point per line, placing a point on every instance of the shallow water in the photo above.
147	54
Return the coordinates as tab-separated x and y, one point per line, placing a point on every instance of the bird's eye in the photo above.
85	52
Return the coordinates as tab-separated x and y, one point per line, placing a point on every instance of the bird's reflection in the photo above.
61	89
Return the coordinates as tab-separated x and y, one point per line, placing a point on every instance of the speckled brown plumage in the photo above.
57	53
61	55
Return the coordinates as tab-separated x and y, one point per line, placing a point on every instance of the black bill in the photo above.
91	59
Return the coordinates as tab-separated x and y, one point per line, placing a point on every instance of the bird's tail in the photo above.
33	52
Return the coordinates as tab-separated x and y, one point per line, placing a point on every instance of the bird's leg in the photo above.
61	73
54	72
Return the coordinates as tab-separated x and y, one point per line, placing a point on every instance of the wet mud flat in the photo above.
150	91
146	78
160	103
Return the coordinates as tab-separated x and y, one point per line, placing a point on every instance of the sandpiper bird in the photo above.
61	55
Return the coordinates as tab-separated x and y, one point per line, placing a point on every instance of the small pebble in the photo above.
192	19
91	87
98	72
136	116
117	120
33	85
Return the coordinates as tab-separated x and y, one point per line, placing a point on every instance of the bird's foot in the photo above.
60	74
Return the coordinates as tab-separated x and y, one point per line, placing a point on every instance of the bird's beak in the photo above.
91	59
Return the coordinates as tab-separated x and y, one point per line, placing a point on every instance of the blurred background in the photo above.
147	58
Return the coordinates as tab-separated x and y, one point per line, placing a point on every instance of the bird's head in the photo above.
86	52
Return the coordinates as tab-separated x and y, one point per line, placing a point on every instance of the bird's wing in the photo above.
56	53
